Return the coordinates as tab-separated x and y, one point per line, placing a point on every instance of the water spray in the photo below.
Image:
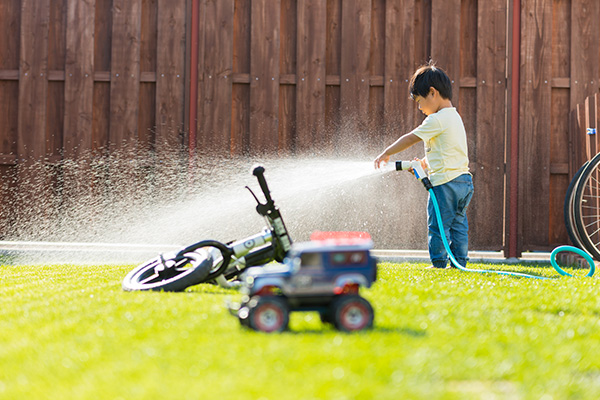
417	169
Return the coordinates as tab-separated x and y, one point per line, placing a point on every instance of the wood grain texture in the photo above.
125	72
535	103
488	137
170	74
354	86
264	76
215	121
79	78
311	72
33	79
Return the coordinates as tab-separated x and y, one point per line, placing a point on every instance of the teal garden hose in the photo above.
557	250
416	168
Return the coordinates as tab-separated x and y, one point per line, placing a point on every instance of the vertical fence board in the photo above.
9	112
264	76
33	78
585	42
534	148
590	123
444	52
79	78
9	90
125	72
102	58
487	156
399	65
311	75
10	26
170	71
333	50
287	68
240	123
146	124
102	35
215	119
354	78
560	155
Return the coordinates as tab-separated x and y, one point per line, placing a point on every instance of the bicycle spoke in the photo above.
586	206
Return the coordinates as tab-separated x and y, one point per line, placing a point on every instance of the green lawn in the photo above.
70	332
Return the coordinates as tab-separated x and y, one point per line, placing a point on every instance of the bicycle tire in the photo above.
569	209
153	275
586	205
218	265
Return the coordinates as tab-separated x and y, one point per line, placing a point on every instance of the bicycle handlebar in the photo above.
259	172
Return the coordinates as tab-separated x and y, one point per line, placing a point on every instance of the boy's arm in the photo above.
399	145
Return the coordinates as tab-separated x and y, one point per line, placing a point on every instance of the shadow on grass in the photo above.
326	328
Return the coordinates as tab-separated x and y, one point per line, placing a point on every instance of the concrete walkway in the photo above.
122	253
487	257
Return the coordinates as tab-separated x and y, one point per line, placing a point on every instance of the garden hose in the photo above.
557	250
416	168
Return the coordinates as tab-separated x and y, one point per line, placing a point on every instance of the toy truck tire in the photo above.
268	314
352	313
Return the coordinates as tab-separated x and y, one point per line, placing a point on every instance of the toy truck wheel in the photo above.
352	313
268	314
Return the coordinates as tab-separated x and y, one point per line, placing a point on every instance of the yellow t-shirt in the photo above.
445	139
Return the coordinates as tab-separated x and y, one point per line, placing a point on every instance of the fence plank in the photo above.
354	90
170	71
399	65
590	123
333	51
9	90
264	76
585	45
125	72
444	52
310	77
215	120
102	54
79	78
33	79
240	124
487	157
535	105
290	10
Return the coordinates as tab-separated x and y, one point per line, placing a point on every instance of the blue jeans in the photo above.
453	198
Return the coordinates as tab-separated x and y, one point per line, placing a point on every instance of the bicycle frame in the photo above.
272	243
211	260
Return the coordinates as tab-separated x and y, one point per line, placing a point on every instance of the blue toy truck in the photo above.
322	276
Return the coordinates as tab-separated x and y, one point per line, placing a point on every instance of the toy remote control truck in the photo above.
322	276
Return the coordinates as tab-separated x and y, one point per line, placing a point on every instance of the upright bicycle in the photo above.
214	261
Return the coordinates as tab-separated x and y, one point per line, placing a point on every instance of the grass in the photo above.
70	332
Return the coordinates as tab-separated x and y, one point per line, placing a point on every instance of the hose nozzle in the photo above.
417	170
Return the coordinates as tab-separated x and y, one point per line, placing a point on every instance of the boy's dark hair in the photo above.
428	76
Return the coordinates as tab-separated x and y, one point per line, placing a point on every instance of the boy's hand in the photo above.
382	158
424	164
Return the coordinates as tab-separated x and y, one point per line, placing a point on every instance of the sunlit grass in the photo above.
70	332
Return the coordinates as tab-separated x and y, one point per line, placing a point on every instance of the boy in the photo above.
446	157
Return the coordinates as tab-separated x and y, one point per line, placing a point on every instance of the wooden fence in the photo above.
328	77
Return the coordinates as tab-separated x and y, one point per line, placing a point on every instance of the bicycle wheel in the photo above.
221	256
177	271
586	205
569	209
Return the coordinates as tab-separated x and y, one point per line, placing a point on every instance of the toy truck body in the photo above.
315	276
